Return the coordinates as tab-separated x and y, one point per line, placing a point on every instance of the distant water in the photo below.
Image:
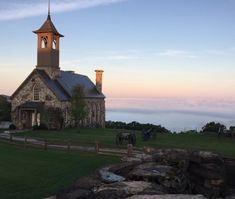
174	114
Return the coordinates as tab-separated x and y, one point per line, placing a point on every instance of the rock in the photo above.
88	182
74	194
130	187
151	172
109	194
138	158
121	189
207	171
109	177
167	176
171	155
230	197
206	157
149	150
168	171
123	169
230	171
171	196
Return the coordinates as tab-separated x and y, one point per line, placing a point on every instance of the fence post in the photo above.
45	144
97	147
25	142
68	147
11	138
129	149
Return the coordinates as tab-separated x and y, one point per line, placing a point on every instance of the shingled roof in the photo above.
63	86
48	26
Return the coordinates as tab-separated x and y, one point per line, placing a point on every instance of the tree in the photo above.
52	118
5	109
78	105
213	127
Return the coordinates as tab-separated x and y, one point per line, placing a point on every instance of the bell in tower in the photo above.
48	48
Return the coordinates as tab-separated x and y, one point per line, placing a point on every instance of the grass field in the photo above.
106	137
36	174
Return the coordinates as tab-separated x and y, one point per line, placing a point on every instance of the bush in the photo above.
40	127
52	118
136	126
5	109
213	127
12	127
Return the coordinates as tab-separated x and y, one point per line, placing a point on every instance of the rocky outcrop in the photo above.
163	174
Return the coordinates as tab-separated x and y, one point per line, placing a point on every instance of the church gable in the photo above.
33	89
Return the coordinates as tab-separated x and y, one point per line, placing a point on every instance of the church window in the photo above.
36	92
44	42
54	44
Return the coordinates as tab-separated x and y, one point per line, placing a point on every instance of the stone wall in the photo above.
161	174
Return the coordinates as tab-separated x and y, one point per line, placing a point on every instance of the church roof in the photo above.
68	80
63	85
48	26
53	86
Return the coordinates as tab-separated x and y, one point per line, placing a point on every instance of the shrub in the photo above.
52	118
5	109
213	127
12	127
42	126
136	126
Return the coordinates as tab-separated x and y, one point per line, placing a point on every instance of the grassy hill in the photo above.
106	138
36	174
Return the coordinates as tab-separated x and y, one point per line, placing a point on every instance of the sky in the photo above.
147	48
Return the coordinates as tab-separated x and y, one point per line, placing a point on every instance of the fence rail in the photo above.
68	146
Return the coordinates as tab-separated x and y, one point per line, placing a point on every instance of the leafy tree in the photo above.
5	109
213	127
136	126
78	105
52	118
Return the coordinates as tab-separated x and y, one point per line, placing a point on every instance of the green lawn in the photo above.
34	173
106	137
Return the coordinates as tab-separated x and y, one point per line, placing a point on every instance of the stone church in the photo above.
48	86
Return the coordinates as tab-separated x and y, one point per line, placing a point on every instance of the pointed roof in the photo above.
48	26
63	85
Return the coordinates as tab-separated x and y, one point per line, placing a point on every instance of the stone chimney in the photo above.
99	80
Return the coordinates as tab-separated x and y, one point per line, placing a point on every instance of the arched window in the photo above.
54	44
44	42
36	92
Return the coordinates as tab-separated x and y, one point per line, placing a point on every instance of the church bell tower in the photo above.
48	49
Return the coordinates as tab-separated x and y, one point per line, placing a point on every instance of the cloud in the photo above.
222	115
176	53
28	8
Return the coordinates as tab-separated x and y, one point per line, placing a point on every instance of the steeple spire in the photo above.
49	7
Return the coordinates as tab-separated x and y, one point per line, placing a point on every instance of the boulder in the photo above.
123	168
230	171
171	172
88	182
74	193
120	190
109	177
170	196
171	155
138	158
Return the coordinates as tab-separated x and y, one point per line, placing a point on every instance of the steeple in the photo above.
49	7
48	47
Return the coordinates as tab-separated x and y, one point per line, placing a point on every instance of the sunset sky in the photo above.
147	48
